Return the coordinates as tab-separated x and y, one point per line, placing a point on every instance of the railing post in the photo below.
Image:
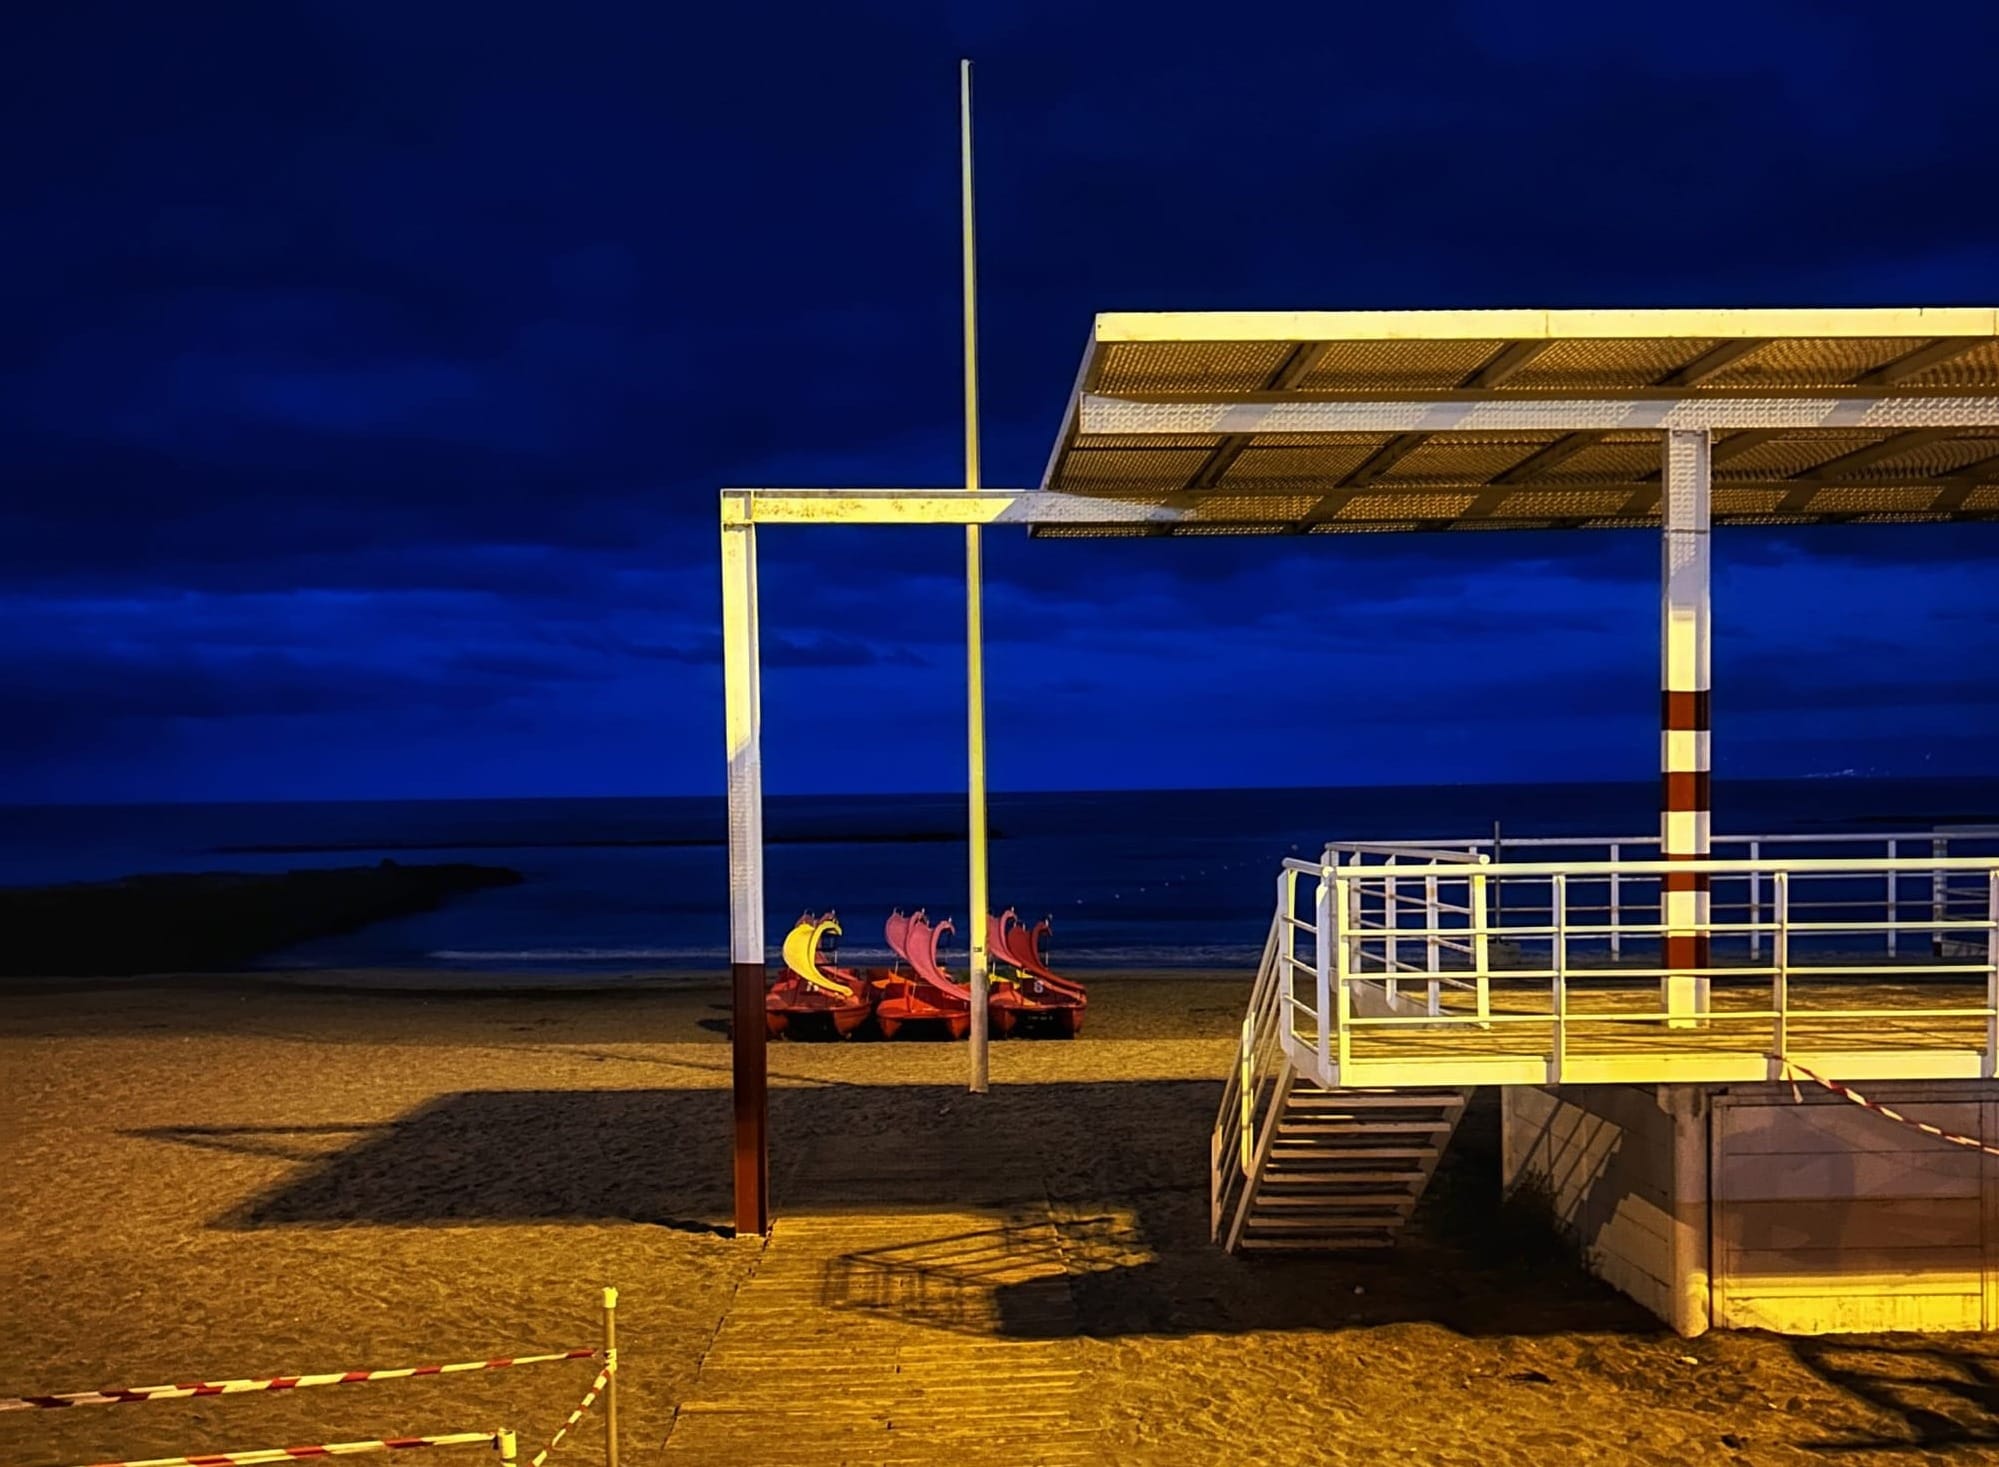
1392	914
1329	941
1560	899
1342	998
1247	1143
1480	950
1356	935
1433	919
1991	1065
1893	877
1287	949
1616	937
1756	902
1939	894
1780	964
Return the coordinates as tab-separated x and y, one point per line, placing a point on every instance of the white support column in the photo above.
1684	752
742	704
1689	1239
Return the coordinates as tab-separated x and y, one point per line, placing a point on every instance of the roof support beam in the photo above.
1920	360
1873	453
1101	414
1711	362
1383	459
1542	460
1504	363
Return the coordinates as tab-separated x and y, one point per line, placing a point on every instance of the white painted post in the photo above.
1322	918
1287	950
1893	876
1560	901
1392	913
1780	964
1616	937
742	709
1351	904
1939	894
1991	1065
1480	950
1755	902
1342	993
1433	918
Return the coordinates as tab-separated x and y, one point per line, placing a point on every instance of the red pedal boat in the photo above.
810	990
1031	991
917	991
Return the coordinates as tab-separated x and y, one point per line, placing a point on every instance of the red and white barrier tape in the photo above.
273	1383
589	1399
323	1449
1847	1091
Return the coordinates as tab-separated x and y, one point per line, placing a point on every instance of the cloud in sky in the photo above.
370	376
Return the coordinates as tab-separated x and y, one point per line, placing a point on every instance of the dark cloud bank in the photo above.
369	373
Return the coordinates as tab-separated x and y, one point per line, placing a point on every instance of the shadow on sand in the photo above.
1108	1178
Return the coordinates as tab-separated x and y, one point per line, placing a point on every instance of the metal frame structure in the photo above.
1332	423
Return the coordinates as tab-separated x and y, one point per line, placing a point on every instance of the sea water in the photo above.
1165	878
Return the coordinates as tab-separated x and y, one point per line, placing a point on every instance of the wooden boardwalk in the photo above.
912	1337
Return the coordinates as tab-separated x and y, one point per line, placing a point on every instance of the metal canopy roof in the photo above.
1333	422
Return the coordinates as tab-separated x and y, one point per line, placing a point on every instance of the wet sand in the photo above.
240	1176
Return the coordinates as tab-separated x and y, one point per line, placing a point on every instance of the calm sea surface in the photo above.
1131	878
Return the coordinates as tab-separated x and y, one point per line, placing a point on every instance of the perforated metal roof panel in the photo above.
1818	415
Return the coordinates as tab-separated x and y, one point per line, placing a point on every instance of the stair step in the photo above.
1352	1178
1358	1153
1332	1200
1322	1178
1317	1245
1330	1223
1322	1126
1342	1099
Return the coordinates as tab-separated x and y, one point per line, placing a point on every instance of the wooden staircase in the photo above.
1344	1168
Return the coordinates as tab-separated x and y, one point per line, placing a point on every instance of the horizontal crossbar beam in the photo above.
1131	416
933	507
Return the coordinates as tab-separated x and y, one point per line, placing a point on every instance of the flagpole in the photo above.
975	669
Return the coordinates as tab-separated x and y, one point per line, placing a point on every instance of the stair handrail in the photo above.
1232	1143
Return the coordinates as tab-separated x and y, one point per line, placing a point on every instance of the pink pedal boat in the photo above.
811	990
923	993
1031	991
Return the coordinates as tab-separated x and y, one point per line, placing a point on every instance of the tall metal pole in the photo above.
975	665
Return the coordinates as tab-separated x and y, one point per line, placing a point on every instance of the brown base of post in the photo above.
752	1101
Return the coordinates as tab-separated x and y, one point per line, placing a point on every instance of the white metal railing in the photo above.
1899	892
1252	1098
1517	959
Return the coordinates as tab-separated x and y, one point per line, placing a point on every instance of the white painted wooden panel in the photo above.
1746	1178
1830	1218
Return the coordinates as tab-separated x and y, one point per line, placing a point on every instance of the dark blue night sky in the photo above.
370	370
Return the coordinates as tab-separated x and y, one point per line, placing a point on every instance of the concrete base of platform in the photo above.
1757	1206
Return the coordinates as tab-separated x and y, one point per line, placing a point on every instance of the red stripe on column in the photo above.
1686	712
1683	790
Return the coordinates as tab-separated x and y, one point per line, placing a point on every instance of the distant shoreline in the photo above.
211	920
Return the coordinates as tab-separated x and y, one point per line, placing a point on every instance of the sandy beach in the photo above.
237	1176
